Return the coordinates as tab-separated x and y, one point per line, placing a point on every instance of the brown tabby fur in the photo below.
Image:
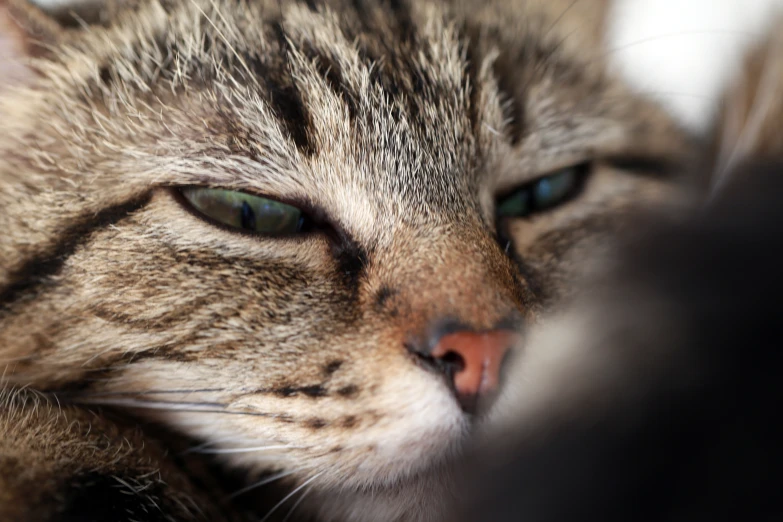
56	461
395	123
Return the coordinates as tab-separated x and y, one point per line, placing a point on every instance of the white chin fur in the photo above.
684	52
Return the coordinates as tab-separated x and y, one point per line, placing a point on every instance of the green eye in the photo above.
517	204
245	211
542	194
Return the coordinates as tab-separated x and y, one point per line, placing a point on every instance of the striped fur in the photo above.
397	124
64	463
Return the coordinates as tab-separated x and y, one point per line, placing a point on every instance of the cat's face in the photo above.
399	131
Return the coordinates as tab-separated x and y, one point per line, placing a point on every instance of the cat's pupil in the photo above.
245	211
543	189
248	217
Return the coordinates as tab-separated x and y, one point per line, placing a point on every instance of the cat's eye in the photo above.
245	211
544	193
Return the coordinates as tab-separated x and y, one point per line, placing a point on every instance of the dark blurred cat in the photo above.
678	420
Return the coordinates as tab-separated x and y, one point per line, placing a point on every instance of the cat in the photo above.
654	395
63	463
307	235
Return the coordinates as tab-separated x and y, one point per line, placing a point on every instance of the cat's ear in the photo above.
747	125
33	28
26	32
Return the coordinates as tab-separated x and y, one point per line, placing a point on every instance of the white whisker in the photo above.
296	504
677	34
207	444
180	407
265	481
294	492
221	451
156	405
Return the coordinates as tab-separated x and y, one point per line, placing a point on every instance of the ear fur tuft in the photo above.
25	32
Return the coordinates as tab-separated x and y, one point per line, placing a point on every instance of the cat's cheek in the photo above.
384	421
399	425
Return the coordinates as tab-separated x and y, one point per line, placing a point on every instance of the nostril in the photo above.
449	364
472	362
453	362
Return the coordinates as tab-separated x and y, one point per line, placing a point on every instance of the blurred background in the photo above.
683	52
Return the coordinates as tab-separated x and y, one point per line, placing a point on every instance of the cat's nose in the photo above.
472	361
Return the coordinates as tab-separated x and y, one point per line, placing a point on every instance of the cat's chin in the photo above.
405	454
412	486
420	497
402	476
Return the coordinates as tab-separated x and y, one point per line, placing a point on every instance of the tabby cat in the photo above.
306	234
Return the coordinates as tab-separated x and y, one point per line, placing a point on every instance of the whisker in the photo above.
151	392
559	18
265	481
175	406
677	93
650	39
294	492
226	451
207	444
299	501
163	404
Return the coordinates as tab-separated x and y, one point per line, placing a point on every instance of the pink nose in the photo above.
477	358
